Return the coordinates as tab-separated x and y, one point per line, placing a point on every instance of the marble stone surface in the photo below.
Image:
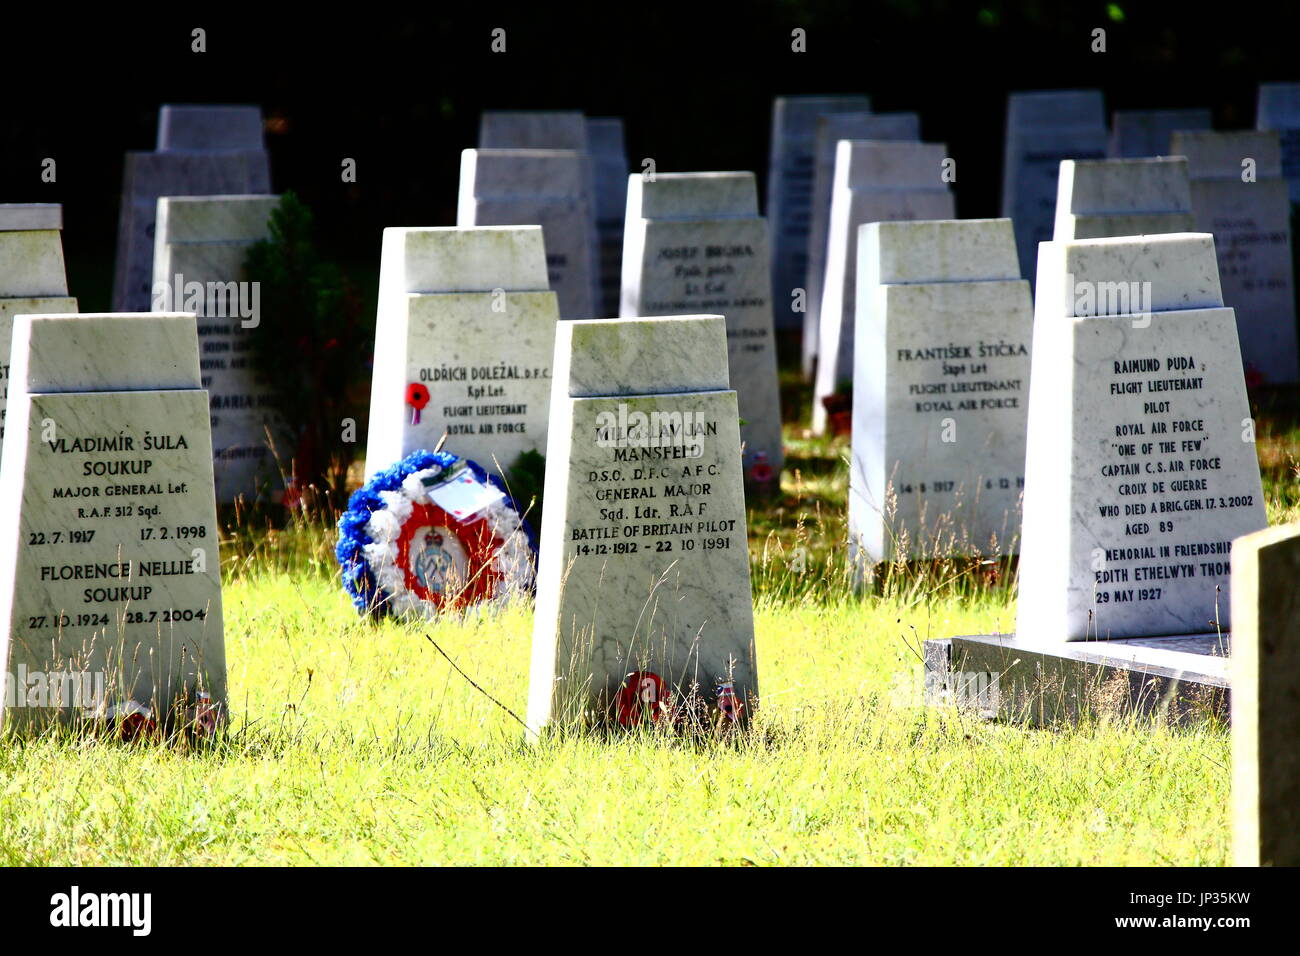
1278	109
1140	469
1043	128
484	356
874	182
831	129
1097	199
10	307
940	391
20	217
1265	703
31	263
109	564
610	170
32	279
790	175
1135	134
206	128
695	243
1251	223
533	129
205	240
644	564
509	187
146	178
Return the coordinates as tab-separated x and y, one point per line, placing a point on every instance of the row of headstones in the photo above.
108	561
809	179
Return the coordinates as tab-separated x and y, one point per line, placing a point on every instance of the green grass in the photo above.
356	744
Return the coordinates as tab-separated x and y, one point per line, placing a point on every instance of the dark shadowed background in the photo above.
401	91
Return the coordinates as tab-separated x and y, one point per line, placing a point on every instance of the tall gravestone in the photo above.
644	563
941	390
1096	199
1239	195
1279	110
1265	701
695	244
554	129
199	251
831	129
610	168
545	187
109	567
32	278
1044	128
874	182
789	191
1136	134
464	339
207	128
202	151
1140	459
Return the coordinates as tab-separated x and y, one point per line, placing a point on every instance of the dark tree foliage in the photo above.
312	346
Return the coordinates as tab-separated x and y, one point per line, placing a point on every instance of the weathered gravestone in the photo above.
199	251
874	182
32	278
831	129
208	151
695	244
1265	700
558	129
1136	134
609	165
463	345
1279	110
1097	199
1238	194
1141	463
1044	128
207	128
521	187
643	585
109	569
1140	470
789	191
941	390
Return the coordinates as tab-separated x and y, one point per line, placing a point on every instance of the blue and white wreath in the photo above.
434	533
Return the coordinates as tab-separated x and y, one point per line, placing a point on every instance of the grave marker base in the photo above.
1182	677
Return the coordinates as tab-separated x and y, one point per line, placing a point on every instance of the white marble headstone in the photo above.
832	128
208	128
1043	128
789	191
1265	710
32	278
1239	195
200	163
941	391
695	244
545	187
465	313
644	561
1140	459
874	182
199	252
109	565
1279	110
1135	134
1097	199
610	169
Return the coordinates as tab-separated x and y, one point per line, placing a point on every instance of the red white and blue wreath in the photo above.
434	533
